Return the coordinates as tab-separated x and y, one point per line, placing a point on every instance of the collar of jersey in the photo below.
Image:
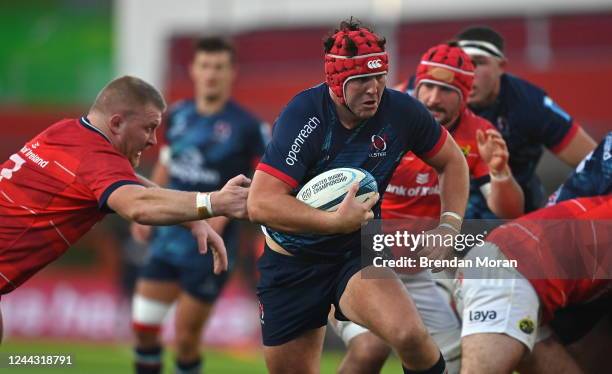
84	121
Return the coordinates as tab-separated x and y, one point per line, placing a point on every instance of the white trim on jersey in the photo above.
64	168
59	232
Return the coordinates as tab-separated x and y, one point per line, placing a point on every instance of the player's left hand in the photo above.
208	238
492	149
437	251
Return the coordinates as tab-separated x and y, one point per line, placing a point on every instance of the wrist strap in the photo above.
498	178
204	205
452	214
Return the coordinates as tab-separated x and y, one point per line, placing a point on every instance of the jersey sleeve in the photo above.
425	135
556	128
103	171
260	137
293	147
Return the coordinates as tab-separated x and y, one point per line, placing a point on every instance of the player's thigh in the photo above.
161	290
549	357
301	355
490	354
594	350
158	280
191	314
366	300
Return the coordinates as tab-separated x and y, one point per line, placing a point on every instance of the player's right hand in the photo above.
231	200
351	213
140	233
208	239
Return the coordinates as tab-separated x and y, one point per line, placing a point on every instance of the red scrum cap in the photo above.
446	65
353	52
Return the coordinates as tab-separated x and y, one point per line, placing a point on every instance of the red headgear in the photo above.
353	54
447	66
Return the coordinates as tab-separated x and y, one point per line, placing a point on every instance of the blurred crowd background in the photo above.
56	54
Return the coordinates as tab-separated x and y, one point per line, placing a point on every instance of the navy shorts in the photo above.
295	294
196	278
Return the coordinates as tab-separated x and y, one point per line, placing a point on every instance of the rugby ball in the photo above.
327	190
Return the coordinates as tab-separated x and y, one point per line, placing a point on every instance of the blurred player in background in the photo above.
312	258
208	139
71	175
443	82
524	114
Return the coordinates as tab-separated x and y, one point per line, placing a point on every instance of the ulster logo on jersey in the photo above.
378	147
222	131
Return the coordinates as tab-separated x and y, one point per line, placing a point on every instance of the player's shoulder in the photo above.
306	104
66	125
310	97
180	106
75	131
242	114
519	89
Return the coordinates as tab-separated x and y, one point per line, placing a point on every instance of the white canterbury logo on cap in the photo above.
374	64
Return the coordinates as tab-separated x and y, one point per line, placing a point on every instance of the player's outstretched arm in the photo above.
160	206
504	195
270	203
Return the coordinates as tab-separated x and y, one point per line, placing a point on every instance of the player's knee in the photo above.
409	337
147	318
187	349
366	353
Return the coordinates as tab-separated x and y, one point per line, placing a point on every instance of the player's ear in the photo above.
115	123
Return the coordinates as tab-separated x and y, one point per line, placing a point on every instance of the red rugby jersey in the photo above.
52	191
563	250
414	190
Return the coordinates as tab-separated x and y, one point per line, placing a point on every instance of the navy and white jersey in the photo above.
308	139
592	177
205	152
528	120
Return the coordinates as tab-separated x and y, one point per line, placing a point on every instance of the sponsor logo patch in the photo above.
374	64
527	325
482	315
